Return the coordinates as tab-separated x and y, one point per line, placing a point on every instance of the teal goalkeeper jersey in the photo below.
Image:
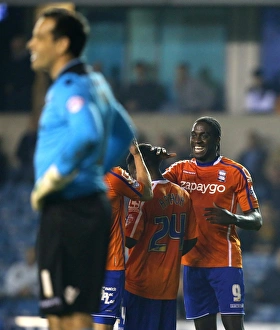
82	128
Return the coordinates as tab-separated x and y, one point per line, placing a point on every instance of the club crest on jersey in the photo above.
75	104
222	176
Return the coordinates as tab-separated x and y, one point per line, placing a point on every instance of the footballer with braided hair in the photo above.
213	278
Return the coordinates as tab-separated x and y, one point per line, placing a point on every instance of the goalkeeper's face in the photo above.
45	51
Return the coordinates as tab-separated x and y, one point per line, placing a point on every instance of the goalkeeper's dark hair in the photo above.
69	24
215	126
149	155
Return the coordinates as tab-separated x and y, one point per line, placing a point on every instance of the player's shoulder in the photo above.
71	83
115	170
231	162
181	164
236	167
98	78
100	83
113	178
117	173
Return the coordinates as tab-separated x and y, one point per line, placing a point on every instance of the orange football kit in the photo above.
227	184
120	185
160	226
213	277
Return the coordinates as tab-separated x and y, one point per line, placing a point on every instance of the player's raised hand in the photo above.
134	148
219	215
160	151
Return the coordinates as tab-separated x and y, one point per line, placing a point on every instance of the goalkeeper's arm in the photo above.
50	182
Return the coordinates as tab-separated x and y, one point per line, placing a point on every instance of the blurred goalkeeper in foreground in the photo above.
83	133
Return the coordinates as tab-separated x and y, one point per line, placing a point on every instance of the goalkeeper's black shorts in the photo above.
72	250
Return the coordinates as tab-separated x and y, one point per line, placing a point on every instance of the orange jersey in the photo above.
227	184
120	184
160	227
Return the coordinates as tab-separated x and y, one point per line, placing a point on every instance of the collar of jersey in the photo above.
214	162
72	66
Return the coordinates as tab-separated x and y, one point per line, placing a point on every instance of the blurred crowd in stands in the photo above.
17	77
143	93
187	94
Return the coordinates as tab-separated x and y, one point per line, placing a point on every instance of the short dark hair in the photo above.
69	24
149	155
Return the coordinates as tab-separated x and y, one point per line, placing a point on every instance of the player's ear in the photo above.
62	45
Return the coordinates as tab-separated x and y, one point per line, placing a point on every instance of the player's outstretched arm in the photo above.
142	173
251	220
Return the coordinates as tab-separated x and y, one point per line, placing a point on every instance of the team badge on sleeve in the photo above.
75	104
